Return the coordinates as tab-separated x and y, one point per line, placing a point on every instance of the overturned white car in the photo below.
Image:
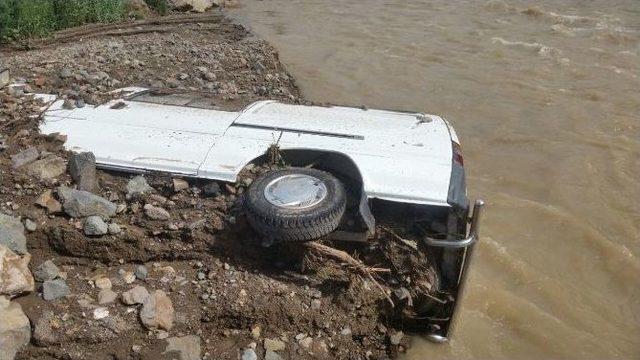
348	168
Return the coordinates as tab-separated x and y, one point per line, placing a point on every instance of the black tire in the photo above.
279	224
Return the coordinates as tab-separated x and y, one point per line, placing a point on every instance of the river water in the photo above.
545	97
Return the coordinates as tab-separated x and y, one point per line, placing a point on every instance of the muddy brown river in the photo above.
546	99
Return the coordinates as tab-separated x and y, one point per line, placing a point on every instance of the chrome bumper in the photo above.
467	246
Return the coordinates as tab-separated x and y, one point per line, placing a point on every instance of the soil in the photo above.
225	287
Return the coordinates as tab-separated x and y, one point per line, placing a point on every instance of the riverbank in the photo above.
169	268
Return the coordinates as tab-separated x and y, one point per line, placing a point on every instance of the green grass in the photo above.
23	19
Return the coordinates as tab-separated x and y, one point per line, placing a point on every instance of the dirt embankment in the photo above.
214	292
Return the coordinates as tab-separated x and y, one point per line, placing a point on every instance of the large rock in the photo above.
157	311
5	77
138	187
192	5
46	271
12	234
95	226
183	348
55	289
15	329
47	201
48	168
24	157
15	276
156	212
137	295
82	168
79	204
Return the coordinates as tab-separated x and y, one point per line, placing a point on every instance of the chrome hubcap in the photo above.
295	191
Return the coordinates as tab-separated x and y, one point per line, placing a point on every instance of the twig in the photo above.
344	257
400	239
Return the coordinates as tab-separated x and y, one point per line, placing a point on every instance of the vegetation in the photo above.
20	19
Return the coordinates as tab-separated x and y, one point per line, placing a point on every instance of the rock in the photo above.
156	212
100	313
55	289
46	271
211	189
47	201
24	157
249	354
114	229
274	345
30	225
107	296
95	226
157	311
82	168
137	295
256	330
15	329
185	347
12	234
319	348
128	277
192	5
79	204
141	272
396	338
306	342
179	185
103	282
15	276
138	187
270	355
43	332
316	304
5	78
48	168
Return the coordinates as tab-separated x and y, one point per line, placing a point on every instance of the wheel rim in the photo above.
295	191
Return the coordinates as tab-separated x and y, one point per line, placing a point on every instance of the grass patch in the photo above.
21	19
159	6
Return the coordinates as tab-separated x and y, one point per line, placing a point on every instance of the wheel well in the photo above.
341	166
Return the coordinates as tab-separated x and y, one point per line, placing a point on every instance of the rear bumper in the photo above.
467	246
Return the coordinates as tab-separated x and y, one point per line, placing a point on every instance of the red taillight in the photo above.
457	153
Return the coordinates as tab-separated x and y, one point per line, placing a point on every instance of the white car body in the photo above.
404	157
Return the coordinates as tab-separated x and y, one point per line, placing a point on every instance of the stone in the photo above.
30	225
319	348
103	282
192	5
95	226
274	345
306	342
141	272
180	184
128	277
114	229
43	331
48	168
46	271
47	201
100	313
79	204
15	276
249	354
185	347
107	296
156	212
256	330
82	168
138	187
55	289
211	189
396	338
24	157
137	295
157	311
12	234
270	355
15	329
316	304
5	78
